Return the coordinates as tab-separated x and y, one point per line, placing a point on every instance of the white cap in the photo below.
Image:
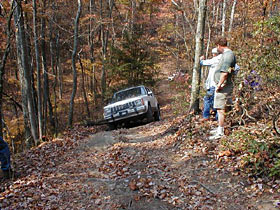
215	51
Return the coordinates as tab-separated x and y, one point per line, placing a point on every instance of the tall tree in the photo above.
54	70
93	83
74	54
224	17
104	42
24	65
232	15
47	105
37	58
4	60
198	51
83	86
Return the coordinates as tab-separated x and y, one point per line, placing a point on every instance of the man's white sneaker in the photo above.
214	131
216	136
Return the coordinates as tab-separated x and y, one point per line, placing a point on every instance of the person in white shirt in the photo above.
210	85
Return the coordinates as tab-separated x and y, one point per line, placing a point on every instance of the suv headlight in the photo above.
107	111
139	102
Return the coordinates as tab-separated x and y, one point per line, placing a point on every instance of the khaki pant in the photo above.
223	99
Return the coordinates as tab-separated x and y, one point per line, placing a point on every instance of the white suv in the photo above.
130	105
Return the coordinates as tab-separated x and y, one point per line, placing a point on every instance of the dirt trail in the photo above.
142	169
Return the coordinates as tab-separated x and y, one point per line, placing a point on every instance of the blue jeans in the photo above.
208	102
5	157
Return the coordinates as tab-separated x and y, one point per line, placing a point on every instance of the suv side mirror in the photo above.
150	93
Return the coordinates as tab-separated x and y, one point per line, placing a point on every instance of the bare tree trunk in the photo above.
196	6
176	53
92	60
30	59
37	57
4	60
104	37
47	105
83	87
76	31
232	15
94	84
111	5
132	3
53	66
185	32
214	9
209	36
104	40
204	71
224	17
245	17
217	16
22	49
198	51
59	69
271	8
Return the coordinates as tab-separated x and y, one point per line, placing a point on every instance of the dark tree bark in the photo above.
26	69
104	40
37	58
104	49
83	87
76	31
54	73
4	60
93	82
47	105
198	51
58	64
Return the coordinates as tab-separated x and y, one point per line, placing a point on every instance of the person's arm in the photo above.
223	78
208	62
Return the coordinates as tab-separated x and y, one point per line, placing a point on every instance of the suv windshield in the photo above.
129	93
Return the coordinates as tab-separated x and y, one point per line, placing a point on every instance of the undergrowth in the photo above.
259	153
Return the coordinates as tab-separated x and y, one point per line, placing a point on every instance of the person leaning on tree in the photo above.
223	78
210	84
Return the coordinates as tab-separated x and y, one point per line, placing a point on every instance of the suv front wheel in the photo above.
112	126
157	114
149	114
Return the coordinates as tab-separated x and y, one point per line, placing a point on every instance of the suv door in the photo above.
152	98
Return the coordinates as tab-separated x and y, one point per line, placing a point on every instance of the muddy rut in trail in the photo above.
124	161
117	183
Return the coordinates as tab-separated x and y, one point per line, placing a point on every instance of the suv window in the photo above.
130	93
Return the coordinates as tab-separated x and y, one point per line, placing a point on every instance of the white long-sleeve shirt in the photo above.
213	63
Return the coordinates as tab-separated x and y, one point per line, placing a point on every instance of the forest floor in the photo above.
169	164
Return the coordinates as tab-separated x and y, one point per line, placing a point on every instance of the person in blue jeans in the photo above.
208	103
210	85
5	159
